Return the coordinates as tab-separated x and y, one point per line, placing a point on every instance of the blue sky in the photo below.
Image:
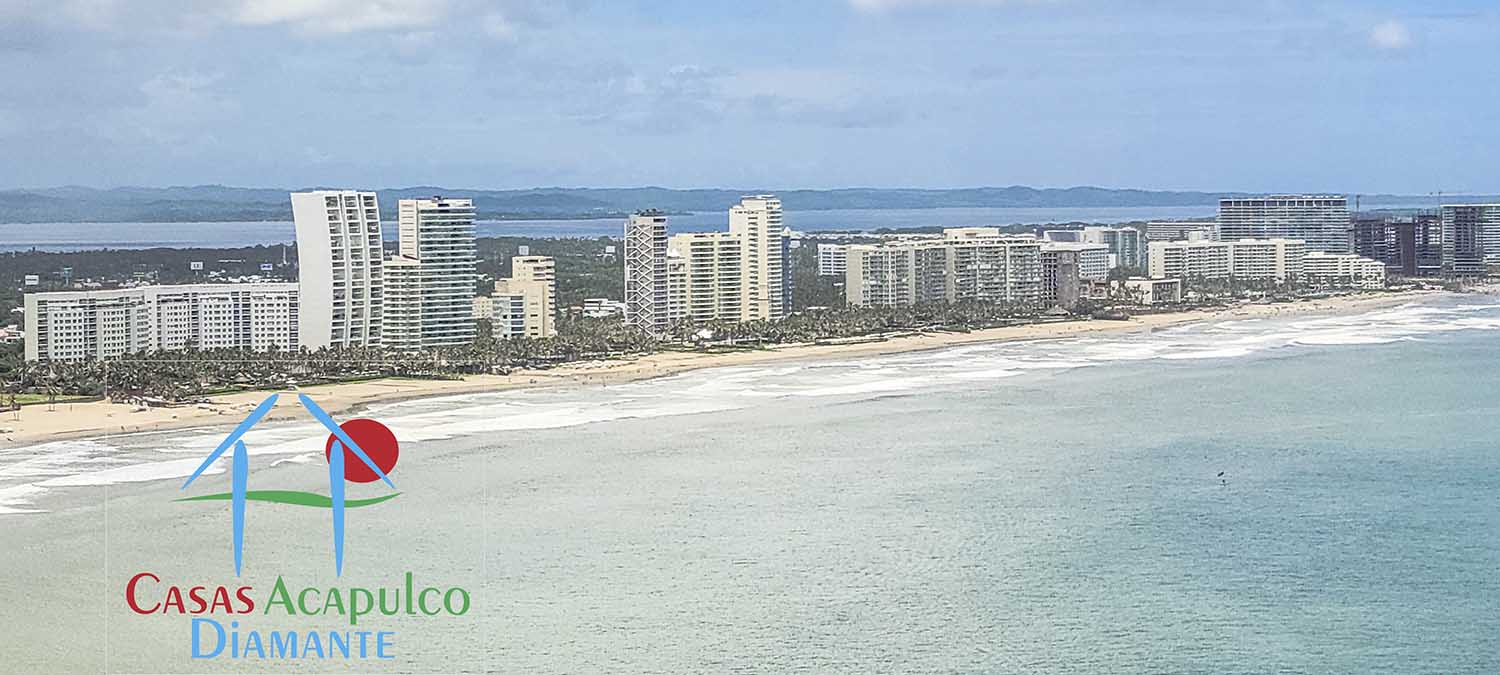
1171	94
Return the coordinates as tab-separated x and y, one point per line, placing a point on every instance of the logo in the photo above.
360	451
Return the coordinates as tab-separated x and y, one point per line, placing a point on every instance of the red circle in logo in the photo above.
375	439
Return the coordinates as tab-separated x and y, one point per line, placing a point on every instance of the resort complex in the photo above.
423	292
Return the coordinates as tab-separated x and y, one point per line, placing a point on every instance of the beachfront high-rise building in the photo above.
85	325
1471	238
646	283
1189	259
756	223
1320	220
539	272
738	275
430	289
713	272
1068	266
1276	260
1124	244
525	304
339	267
965	264
1409	245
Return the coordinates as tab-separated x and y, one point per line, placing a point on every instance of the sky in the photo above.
1275	95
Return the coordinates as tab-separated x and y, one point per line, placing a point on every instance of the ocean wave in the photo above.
26	473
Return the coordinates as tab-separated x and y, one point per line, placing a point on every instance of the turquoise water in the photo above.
1051	507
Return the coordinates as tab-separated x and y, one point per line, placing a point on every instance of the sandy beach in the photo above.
36	423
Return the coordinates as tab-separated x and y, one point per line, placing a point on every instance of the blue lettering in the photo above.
198	643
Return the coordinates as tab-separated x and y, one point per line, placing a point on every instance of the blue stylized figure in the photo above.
240	471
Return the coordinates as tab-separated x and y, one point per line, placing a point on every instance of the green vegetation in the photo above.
585	268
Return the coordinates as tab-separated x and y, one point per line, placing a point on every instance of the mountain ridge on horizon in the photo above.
220	203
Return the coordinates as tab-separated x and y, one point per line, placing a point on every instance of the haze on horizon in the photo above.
1381	96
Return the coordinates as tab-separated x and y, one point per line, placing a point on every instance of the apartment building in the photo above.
340	268
1176	231
525	304
430	289
646	282
1276	260
1408	245
1187	259
1123	243
1471	239
1067	267
1343	269
84	325
756	222
964	264
713	276
1322	221
833	259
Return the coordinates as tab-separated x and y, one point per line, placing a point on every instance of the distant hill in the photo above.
220	203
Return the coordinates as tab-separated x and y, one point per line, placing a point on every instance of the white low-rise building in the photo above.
1346	269
83	325
1273	260
601	308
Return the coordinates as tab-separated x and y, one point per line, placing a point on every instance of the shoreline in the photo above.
36	424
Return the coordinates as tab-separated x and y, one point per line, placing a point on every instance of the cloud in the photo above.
1390	35
341	16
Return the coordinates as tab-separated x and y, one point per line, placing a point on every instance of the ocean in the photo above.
1301	494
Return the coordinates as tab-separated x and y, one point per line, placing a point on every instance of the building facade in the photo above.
646	282
525	304
966	264
1270	260
1189	259
1343	270
1408	245
430	294
1266	260
833	259
757	223
1471	239
1322	221
1177	231
1153	291
1124	244
340	268
86	325
1067	268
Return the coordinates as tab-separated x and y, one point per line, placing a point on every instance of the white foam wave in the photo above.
25	473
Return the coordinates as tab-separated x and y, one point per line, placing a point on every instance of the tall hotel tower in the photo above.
1471	238
646	294
756	223
339	268
1320	220
430	281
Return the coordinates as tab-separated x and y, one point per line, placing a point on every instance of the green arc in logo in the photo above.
293	497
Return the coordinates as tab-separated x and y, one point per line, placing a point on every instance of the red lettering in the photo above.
130	593
174	599
221	599
244	595
196	595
